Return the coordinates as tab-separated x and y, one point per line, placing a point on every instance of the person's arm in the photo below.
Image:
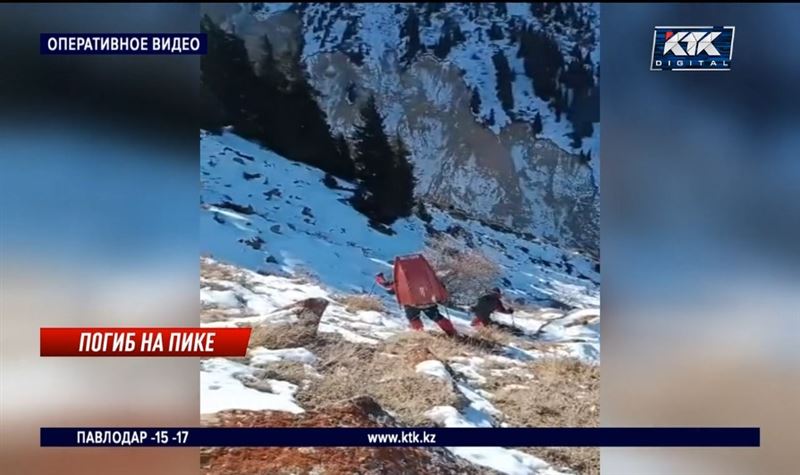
386	284
502	308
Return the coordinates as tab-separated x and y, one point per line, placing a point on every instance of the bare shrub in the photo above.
359	302
466	273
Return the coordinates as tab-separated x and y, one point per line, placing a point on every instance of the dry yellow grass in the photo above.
350	370
360	302
546	347
303	331
332	350
290	371
495	335
211	314
211	271
441	346
282	335
564	392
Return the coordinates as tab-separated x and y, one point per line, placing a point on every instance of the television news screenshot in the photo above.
389	238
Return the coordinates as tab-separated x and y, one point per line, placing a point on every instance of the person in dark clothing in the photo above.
486	305
413	313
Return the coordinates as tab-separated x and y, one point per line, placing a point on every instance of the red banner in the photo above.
143	341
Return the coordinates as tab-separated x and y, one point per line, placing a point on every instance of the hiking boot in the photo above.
447	326
416	325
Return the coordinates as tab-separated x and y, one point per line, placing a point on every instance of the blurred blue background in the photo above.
700	228
99	204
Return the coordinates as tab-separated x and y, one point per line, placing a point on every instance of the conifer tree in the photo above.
495	32
375	166
385	174
410	30
475	102
456	35
343	149
263	104
227	75
542	60
536	126
442	48
504	79
403	181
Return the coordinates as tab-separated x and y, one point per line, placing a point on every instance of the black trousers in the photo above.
485	318
412	313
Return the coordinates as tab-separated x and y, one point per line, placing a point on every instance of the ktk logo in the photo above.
695	48
696	43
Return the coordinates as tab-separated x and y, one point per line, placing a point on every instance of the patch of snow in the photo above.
509	461
469	372
299	355
219	298
434	368
221	390
480	411
447	416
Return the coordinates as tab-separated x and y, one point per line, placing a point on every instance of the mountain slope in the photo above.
269	214
443	88
275	234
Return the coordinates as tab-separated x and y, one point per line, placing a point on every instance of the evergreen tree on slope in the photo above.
385	176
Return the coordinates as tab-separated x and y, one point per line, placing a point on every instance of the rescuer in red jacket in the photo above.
413	313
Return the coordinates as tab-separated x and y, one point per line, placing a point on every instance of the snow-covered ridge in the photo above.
374	32
494	171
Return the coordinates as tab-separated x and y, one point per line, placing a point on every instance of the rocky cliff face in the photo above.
435	75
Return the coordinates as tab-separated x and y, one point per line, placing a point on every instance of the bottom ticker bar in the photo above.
427	436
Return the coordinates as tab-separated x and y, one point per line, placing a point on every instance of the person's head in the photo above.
497	291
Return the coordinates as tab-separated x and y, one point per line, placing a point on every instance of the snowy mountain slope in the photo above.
269	214
480	159
223	382
281	236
